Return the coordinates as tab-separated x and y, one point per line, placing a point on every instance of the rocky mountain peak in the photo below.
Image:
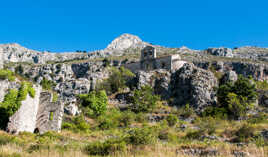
126	41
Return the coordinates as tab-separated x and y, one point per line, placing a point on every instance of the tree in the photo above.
95	101
144	100
237	98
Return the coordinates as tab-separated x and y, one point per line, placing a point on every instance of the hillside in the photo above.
134	99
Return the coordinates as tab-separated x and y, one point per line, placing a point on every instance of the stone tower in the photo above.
148	56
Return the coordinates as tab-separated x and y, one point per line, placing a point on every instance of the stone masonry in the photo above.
149	61
49	116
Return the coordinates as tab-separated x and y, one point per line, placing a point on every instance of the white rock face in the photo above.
126	41
25	118
1	58
4	87
17	53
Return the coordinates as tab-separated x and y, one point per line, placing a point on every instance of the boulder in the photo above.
229	76
72	109
194	86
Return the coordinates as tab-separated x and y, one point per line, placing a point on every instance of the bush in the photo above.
215	112
259	118
236	98
77	124
144	100
7	74
172	119
95	101
187	111
8	107
109	120
47	84
116	81
141	136
105	148
244	133
126	118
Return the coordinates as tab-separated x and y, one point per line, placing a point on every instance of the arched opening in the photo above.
36	131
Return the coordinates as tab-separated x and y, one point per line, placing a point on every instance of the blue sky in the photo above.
65	25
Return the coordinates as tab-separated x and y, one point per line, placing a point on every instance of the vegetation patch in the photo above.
7	74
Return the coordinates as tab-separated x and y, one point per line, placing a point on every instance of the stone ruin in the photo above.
49	116
149	61
38	114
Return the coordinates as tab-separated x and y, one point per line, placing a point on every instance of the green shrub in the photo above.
7	74
141	117
116	81
47	84
172	119
262	85
144	100
245	133
126	118
95	101
237	105
77	124
187	111
55	97
8	107
236	98
105	148
109	120
215	112
141	136
259	118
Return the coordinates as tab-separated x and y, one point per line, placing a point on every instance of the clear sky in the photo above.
69	25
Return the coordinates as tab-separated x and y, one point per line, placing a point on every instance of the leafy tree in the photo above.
144	100
95	101
236	98
117	80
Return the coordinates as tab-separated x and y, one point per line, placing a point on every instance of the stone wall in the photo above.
49	116
25	118
134	67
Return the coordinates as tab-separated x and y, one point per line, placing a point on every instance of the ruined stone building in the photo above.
150	61
38	114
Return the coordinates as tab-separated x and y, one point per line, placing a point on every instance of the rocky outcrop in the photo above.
229	76
17	53
224	52
126	41
194	86
1	58
72	109
159	80
25	118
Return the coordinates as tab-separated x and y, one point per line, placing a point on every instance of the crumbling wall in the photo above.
163	63
49	116
25	118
